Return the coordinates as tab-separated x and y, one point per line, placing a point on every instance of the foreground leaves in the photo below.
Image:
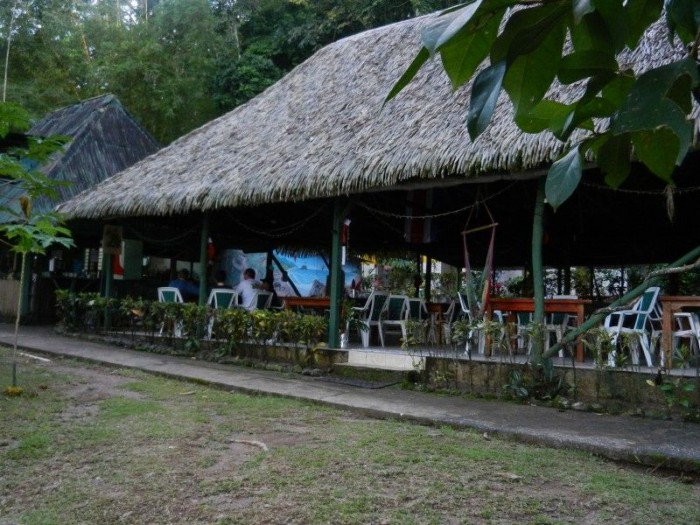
621	116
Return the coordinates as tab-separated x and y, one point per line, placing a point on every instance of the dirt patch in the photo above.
87	388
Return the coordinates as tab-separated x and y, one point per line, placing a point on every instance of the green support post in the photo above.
336	293
537	270
203	255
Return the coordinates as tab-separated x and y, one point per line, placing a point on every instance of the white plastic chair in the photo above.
641	320
557	324
418	314
522	332
263	300
369	315
220	298
687	327
476	332
393	317
170	294
452	314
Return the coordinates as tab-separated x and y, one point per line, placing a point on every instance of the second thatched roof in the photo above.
321	132
103	139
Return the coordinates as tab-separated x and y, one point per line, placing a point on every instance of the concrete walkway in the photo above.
651	442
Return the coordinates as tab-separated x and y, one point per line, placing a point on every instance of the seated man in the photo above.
188	290
247	290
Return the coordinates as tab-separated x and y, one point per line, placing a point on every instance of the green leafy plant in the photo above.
676	392
231	325
516	386
26	231
535	381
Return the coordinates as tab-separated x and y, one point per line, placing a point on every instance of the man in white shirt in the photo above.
248	290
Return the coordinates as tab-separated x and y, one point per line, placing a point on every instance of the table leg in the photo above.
667	335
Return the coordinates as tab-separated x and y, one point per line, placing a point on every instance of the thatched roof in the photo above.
321	132
104	140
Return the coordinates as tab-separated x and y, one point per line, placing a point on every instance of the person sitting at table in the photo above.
248	290
188	289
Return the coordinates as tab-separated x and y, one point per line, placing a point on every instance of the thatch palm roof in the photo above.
104	139
321	132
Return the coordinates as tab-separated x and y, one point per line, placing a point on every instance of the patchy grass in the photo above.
87	444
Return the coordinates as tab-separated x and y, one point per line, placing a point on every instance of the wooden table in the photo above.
312	303
670	305
525	304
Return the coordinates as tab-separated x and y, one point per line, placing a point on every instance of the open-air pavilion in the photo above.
288	167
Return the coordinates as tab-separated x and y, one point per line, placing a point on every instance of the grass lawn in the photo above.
89	444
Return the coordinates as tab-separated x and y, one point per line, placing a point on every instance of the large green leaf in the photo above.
528	29
651	103
641	14
619	87
529	77
585	111
563	177
548	114
485	91
421	58
584	64
680	92
447	25
591	33
613	15
658	149
581	9
662	114
463	53
683	17
462	39
614	159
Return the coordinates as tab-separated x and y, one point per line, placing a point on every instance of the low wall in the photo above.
496	378
611	389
